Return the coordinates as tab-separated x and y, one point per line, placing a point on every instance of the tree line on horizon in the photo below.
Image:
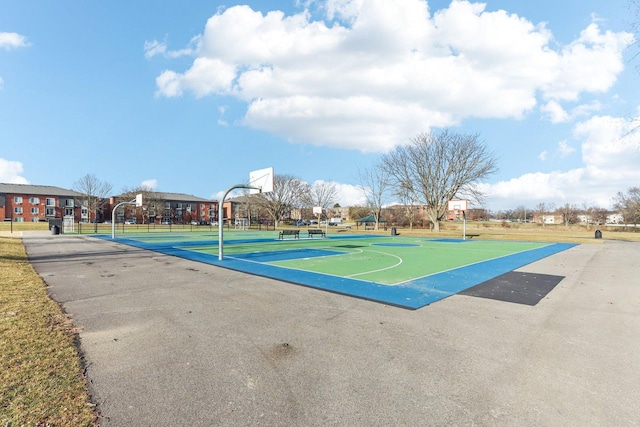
429	171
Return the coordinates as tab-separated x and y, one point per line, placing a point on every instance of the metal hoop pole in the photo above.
221	216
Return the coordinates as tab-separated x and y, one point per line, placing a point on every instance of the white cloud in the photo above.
610	156
154	47
589	64
564	149
349	195
11	172
359	83
543	156
12	40
149	183
555	112
168	84
206	76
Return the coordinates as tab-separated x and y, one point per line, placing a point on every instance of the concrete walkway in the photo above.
171	342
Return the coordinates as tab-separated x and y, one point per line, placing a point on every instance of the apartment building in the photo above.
34	203
167	208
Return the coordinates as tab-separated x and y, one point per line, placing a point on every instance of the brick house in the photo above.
174	208
35	203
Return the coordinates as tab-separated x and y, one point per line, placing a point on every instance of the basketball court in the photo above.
409	272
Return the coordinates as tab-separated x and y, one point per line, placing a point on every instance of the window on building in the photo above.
35	211
17	199
35	219
50	212
34	200
51	201
17	210
68	211
68	203
167	205
19	219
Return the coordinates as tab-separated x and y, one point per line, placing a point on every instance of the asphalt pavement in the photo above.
172	342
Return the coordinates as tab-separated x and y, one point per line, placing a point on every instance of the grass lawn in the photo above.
41	381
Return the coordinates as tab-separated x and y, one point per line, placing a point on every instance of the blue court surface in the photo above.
275	257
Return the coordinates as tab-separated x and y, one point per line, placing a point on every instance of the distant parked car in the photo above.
167	222
131	221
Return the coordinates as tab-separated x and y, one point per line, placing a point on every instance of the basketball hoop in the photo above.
261	181
457	206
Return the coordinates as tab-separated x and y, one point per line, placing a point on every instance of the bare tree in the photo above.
323	194
408	201
154	202
542	211
358	212
599	215
569	214
629	205
374	182
436	168
521	213
95	193
594	214
288	193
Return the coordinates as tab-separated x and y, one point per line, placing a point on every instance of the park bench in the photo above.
316	231
295	233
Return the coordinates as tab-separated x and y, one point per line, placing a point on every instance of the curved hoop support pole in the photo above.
113	216
221	216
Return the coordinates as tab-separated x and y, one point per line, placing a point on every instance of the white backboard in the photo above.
139	200
262	179
458	205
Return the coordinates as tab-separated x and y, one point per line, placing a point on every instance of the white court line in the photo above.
380	269
473	263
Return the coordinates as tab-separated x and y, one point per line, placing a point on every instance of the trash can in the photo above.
394	231
598	234
55	230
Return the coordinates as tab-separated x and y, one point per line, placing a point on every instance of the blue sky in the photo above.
190	97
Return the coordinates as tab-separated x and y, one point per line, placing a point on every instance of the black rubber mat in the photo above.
515	286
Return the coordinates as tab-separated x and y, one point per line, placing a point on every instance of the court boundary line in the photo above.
410	295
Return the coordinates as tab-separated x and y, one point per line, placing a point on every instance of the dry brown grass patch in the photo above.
41	381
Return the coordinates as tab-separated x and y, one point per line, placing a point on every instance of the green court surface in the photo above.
384	260
405	271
